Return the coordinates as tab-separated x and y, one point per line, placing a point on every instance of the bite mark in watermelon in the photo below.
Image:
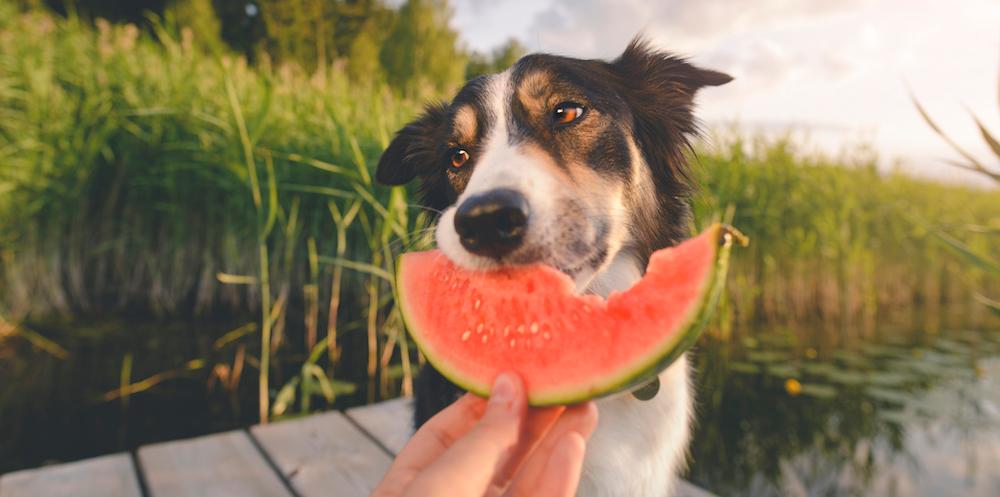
473	325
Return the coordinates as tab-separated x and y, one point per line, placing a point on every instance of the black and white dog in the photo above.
582	165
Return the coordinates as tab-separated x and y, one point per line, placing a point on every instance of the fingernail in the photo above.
503	389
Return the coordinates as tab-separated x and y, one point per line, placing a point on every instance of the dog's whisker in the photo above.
425	208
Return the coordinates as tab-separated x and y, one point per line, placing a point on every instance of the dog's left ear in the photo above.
659	88
414	151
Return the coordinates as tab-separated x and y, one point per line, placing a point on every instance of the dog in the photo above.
581	165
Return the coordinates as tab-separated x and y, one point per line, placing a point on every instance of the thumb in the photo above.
468	467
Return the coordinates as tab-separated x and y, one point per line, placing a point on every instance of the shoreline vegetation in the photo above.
144	176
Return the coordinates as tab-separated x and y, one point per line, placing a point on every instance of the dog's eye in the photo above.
567	112
459	156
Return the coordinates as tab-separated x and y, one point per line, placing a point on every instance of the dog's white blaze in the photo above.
501	165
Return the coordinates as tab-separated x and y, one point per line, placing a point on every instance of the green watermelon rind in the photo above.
658	359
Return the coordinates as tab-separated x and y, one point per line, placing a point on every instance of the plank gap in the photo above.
273	465
364	431
140	475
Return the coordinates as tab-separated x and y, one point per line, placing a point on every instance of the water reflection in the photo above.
915	415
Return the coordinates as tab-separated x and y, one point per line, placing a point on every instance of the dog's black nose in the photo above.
492	223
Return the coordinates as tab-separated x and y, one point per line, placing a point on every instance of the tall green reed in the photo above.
832	238
145	176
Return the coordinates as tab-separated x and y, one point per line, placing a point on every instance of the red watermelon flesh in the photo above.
473	325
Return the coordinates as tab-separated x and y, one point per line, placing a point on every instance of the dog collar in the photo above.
647	391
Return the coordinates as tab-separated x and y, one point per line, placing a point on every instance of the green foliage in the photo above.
298	31
363	54
199	17
834	238
420	55
124	155
498	60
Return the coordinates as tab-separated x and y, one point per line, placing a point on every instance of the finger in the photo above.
537	424
562	471
429	442
484	451
580	419
441	431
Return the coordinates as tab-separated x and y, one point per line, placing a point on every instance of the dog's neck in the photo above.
619	275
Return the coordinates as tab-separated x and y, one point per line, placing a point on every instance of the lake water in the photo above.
906	413
781	412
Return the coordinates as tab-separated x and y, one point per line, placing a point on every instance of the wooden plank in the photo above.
107	476
324	453
389	422
222	465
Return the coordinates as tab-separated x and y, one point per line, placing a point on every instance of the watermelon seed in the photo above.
484	338
513	342
534	328
546	335
520	329
465	336
506	330
479	328
477	304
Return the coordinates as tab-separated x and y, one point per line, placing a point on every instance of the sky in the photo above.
837	72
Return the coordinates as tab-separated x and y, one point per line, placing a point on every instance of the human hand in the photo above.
494	448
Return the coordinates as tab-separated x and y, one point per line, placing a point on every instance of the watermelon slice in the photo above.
473	325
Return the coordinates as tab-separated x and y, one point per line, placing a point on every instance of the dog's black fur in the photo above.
648	97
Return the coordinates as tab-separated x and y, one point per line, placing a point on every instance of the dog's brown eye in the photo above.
459	156
567	112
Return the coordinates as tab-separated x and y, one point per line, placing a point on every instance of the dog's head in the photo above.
556	160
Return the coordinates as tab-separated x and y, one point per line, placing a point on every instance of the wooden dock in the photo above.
333	454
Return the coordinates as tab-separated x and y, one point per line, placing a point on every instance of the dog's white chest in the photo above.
639	446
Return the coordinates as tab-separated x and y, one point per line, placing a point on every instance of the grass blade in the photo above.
992	305
974	163
960	248
990	140
357	266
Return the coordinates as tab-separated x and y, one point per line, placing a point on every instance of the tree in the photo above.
363	63
421	55
298	31
499	60
198	16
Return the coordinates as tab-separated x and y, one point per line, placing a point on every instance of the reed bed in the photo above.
141	176
838	241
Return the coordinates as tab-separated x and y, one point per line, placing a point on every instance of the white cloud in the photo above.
601	27
842	64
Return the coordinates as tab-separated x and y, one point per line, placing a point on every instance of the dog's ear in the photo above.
415	149
663	71
659	88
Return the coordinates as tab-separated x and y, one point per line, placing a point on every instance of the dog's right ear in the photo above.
416	148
